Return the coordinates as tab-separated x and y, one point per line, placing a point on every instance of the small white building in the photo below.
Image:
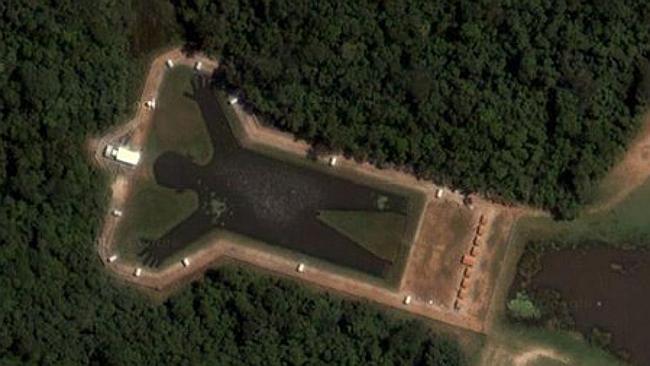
169	63
138	272
198	65
439	193
333	161
185	262
300	268
122	155
407	299
233	100
112	258
117	213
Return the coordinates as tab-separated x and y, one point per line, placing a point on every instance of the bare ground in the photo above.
525	358
500	354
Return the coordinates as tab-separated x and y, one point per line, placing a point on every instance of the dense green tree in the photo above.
525	101
69	70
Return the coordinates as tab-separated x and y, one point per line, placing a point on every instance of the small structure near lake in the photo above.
122	154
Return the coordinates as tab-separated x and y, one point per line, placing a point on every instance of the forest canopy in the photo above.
528	101
69	70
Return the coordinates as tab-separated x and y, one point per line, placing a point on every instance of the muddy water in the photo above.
606	288
266	199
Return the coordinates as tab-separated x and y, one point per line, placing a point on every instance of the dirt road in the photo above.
628	174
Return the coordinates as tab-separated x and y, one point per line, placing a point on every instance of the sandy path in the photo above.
630	173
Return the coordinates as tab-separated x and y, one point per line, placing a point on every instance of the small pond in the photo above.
605	288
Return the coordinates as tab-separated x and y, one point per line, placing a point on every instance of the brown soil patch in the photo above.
434	269
434	272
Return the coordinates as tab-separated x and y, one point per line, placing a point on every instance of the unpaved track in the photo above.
630	173
530	355
201	260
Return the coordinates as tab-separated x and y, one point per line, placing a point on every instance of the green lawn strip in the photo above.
151	211
178	124
626	225
381	233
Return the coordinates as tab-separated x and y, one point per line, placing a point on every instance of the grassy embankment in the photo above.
381	233
177	126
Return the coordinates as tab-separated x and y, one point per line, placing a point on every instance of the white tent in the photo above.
124	155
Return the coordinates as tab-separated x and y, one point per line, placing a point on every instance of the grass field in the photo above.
381	233
625	225
150	212
178	124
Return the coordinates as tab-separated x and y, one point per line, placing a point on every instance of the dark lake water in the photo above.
605	288
270	200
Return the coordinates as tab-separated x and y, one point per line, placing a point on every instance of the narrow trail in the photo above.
628	174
